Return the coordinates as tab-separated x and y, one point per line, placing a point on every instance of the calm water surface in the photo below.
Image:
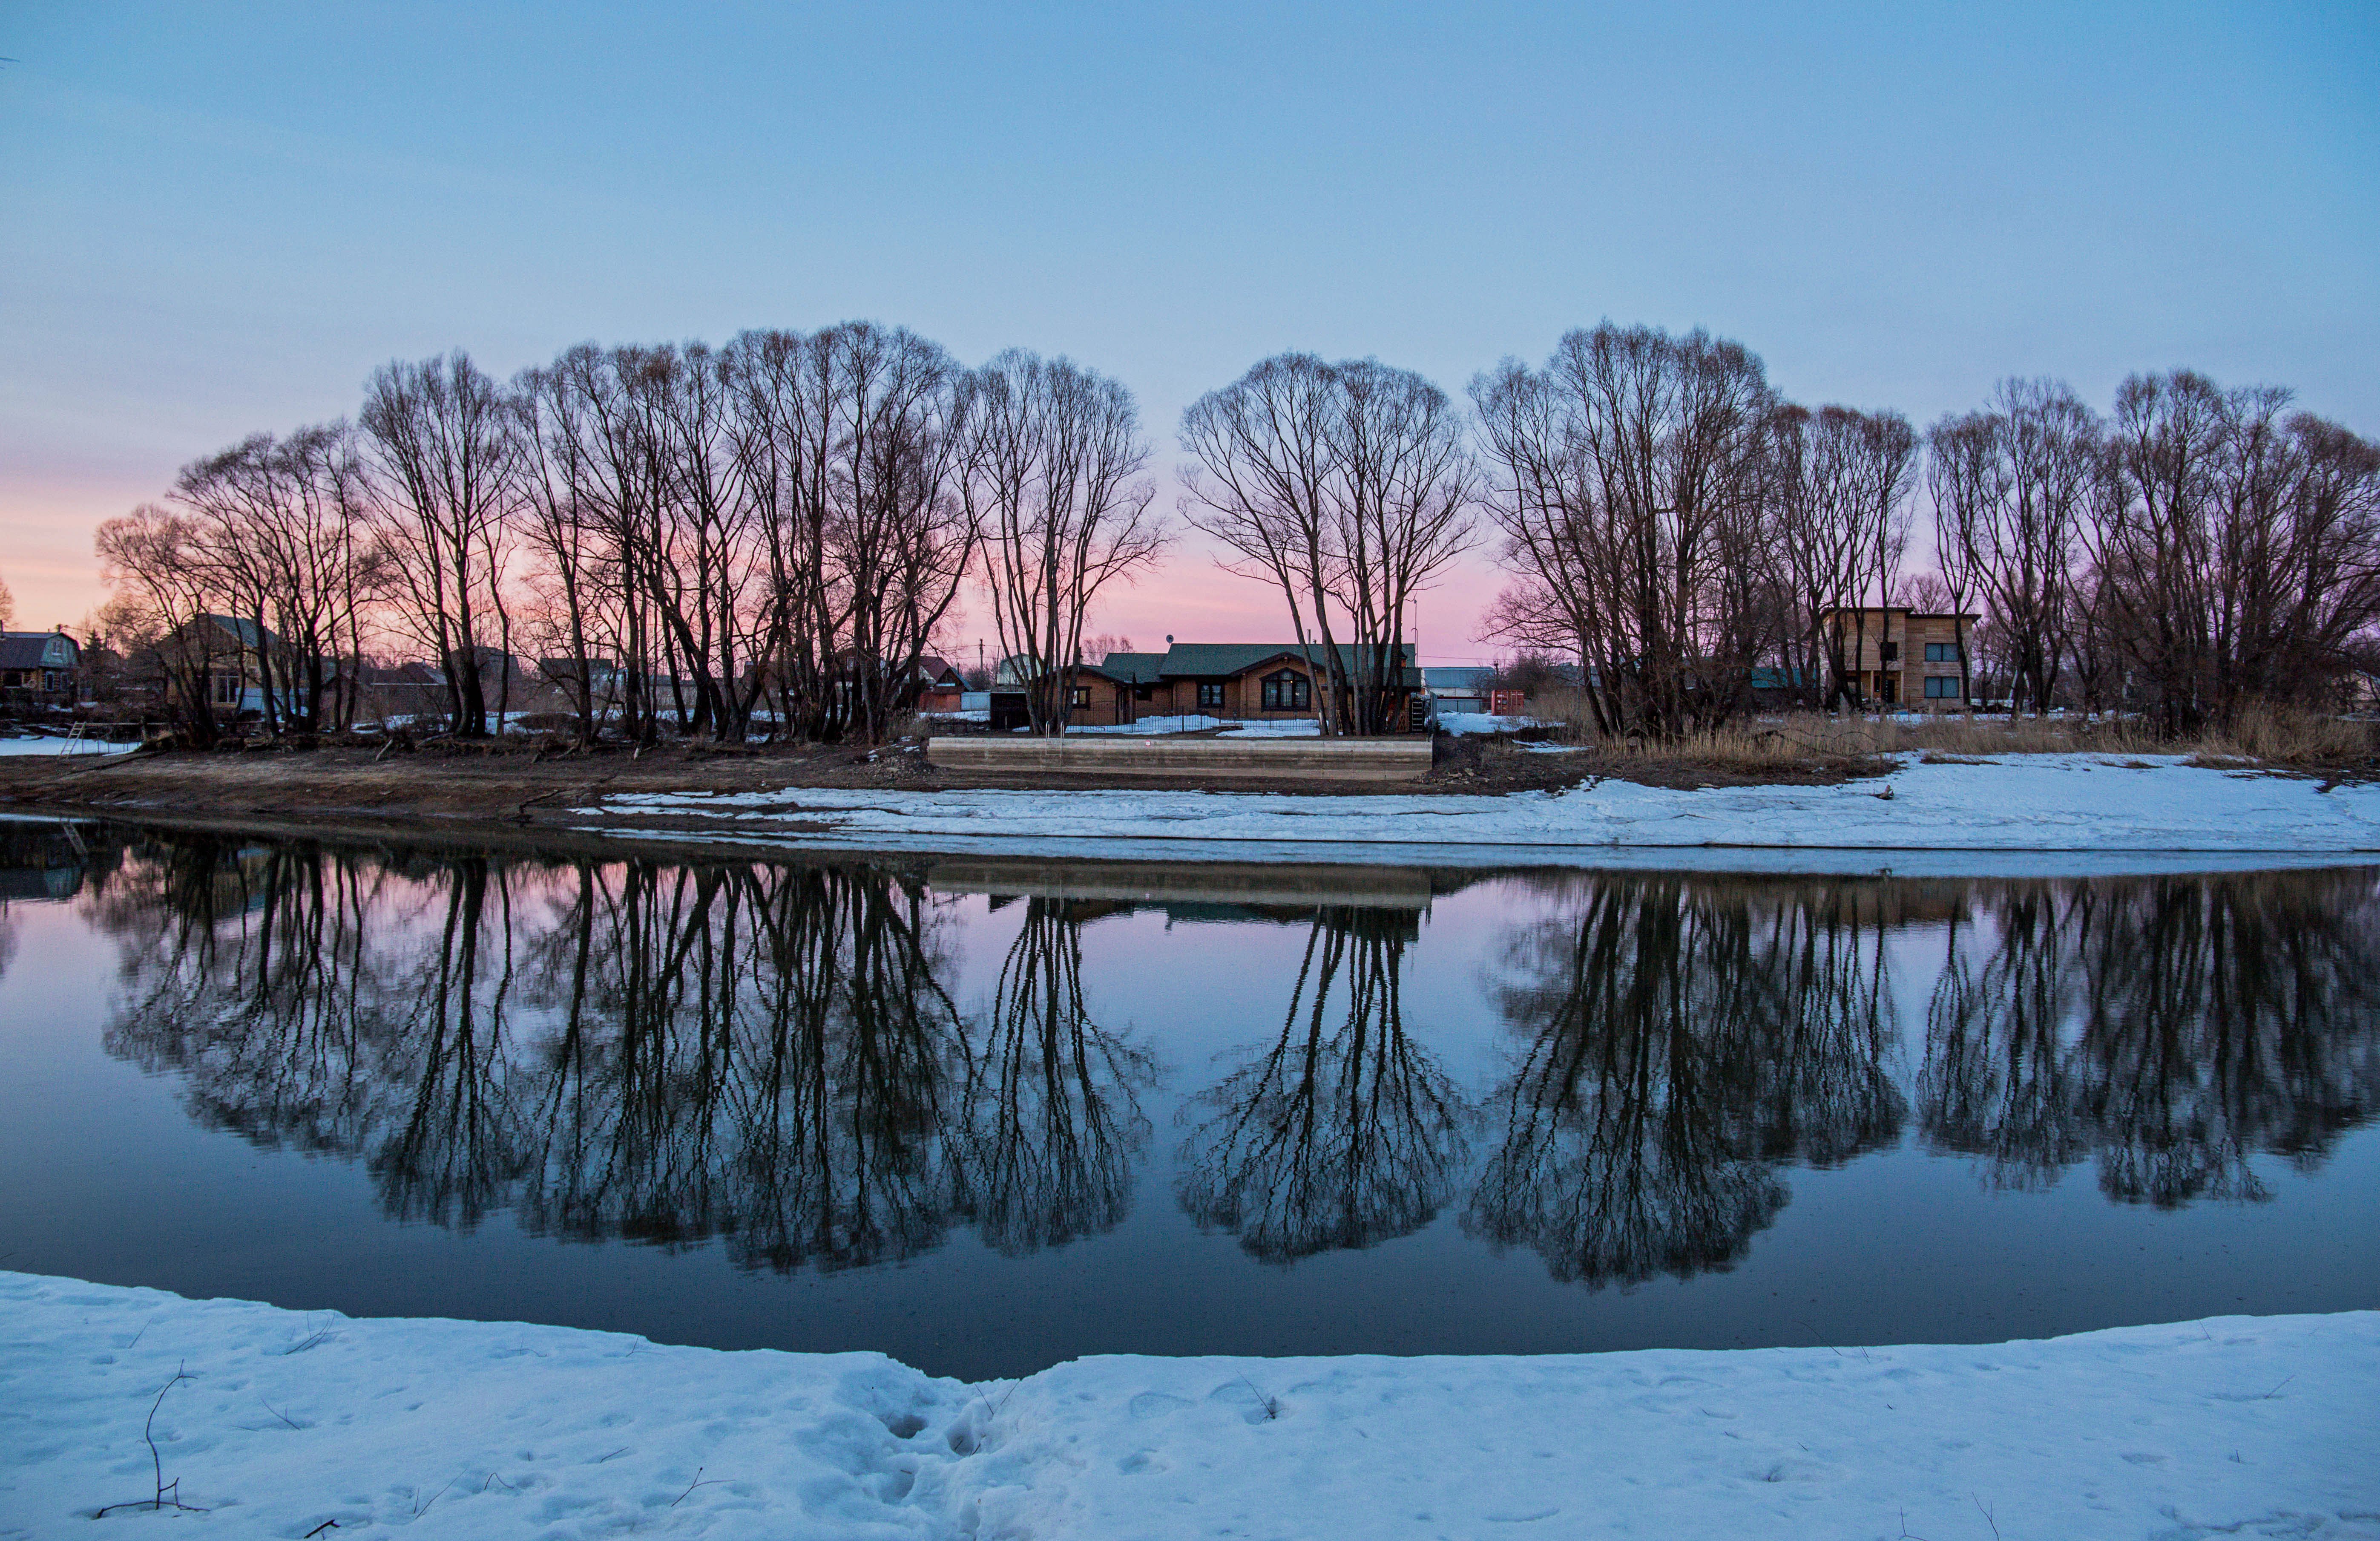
985	1116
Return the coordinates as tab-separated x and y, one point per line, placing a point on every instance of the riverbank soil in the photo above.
518	784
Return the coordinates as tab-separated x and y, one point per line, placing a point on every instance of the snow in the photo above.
290	1420
62	746
1461	723
2080	803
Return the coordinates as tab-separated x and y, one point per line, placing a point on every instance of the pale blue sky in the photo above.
219	219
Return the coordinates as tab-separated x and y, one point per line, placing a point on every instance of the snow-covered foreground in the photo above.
289	1422
2093	804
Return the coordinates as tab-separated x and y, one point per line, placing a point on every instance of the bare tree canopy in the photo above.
851	448
154	560
441	443
2237	548
1351	487
2011	486
286	547
1633	476
1053	477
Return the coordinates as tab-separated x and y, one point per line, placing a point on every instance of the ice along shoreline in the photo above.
289	1420
2083	804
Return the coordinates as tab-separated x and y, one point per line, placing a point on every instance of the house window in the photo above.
1078	696
1941	686
1941	652
1287	691
1211	695
1141	693
223	688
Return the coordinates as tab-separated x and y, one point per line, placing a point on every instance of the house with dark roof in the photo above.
231	651
1466	689
1233	681
39	668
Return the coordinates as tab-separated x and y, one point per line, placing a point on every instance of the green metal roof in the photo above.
1133	668
1209	660
1218	660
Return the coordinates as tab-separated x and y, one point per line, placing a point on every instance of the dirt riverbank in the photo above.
517	788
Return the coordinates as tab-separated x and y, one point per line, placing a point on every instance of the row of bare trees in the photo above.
772	535
1679	528
2197	552
773	531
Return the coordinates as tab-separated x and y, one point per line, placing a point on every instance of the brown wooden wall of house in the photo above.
1116	703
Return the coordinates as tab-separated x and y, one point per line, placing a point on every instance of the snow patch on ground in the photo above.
62	746
2065	803
1460	723
290	1420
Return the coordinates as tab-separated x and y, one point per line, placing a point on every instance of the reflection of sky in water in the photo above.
1769	1120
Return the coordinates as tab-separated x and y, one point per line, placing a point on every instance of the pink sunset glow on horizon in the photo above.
55	579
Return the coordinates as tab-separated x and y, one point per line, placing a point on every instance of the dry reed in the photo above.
2262	737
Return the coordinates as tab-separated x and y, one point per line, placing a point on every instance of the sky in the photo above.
220	219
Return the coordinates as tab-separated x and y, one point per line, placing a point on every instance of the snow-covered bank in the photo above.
2060	803
290	1420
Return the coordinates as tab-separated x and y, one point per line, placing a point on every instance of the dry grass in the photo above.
2287	736
2267	737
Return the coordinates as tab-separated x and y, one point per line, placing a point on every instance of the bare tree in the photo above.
2020	476
1963	480
848	443
154	559
1633	471
559	516
283	530
442	439
1053	470
1838	519
1348	486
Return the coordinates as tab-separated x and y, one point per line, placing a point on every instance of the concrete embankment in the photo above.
1173	758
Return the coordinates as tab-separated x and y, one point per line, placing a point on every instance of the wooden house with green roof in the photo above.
1230	681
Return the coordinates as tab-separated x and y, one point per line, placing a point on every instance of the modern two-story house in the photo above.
1894	656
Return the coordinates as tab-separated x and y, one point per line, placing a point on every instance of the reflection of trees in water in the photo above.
1053	1124
245	972
754	1053
1345	1132
2175	1026
766	1055
1679	1041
